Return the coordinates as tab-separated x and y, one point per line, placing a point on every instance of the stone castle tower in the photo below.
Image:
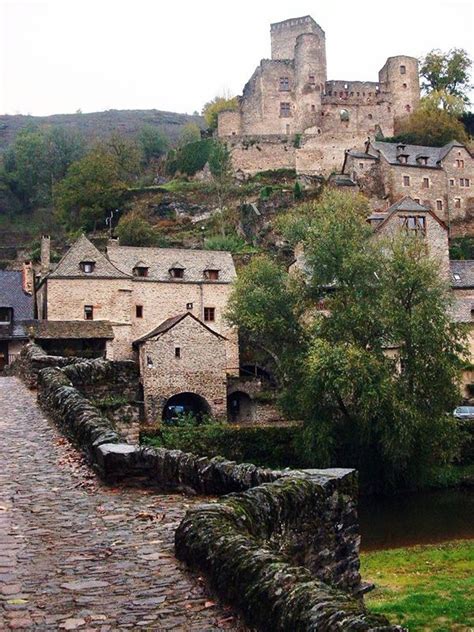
290	95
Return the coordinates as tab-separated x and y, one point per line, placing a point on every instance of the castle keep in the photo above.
291	116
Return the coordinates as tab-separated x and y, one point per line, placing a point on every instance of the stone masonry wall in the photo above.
283	546
116	300
199	369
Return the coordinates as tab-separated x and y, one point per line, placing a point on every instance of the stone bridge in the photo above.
77	554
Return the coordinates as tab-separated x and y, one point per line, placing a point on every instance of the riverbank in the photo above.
426	588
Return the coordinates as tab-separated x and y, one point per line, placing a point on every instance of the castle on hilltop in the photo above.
291	116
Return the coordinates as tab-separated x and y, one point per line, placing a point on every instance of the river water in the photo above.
420	518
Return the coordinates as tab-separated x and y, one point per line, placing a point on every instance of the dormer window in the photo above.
176	272
456	276
87	266
413	224
211	274
422	160
140	271
402	159
6	315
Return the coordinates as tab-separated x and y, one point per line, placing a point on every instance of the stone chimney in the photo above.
27	277
45	254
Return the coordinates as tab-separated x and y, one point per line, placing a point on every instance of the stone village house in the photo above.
440	178
16	312
165	305
291	116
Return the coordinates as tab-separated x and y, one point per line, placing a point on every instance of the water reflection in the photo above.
422	518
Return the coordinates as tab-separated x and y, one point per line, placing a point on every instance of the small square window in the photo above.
140	271
5	315
451	182
209	314
406	181
88	312
403	70
139	311
177	273
285	109
177	352
87	266
212	275
189	306
417	200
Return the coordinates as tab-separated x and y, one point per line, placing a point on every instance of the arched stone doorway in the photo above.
185	404
239	407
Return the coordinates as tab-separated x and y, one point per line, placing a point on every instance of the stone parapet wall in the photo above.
281	545
286	553
33	359
114	386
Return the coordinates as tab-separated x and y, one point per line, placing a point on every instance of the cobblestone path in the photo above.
76	554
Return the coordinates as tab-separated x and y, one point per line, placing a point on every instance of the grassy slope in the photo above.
426	588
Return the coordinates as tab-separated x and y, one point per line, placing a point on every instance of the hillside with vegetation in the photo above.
96	125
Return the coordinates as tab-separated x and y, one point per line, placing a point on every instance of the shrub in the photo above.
190	158
232	243
275	176
135	230
266	446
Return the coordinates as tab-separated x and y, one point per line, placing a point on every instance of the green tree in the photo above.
432	126
220	166
126	155
266	304
190	158
375	363
211	110
154	143
447	73
190	133
37	159
134	230
92	186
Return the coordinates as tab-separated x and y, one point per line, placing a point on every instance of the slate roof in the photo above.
360	154
462	273
168	324
435	155
12	295
341	180
160	260
84	250
71	329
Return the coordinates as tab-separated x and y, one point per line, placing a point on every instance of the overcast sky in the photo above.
63	55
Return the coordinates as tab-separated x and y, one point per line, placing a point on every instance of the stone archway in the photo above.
185	404
239	407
